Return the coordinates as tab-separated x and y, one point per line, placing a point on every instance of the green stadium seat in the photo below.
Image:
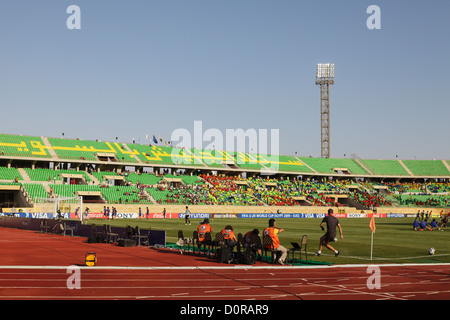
23	146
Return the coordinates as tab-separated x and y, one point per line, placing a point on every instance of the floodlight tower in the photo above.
325	78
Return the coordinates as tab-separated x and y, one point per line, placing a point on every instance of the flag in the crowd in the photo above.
147	137
154	139
160	139
372	224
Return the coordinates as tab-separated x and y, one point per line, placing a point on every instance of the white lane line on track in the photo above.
345	291
230	267
250	296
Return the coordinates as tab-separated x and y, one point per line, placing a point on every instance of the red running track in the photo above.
34	266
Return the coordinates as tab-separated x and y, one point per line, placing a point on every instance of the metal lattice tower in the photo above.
325	78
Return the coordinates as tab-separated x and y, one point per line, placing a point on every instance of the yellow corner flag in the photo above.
372	224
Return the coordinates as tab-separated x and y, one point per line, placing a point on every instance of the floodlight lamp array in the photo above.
325	73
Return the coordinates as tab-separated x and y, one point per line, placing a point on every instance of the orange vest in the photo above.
273	233
202	230
228	234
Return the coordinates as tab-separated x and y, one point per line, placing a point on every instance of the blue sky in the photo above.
150	67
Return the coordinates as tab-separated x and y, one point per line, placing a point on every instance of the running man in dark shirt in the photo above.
332	222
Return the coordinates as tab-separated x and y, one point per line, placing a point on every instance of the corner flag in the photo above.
372	225
372	228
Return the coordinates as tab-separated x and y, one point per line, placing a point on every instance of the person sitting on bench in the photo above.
203	229
229	236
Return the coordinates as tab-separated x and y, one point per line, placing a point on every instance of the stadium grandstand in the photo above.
130	176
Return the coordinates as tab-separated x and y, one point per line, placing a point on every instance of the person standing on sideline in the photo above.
187	215
272	231
332	222
85	217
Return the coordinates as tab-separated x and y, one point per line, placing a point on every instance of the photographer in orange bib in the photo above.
272	231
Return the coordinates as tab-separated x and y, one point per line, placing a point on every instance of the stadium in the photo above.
92	210
133	176
47	183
